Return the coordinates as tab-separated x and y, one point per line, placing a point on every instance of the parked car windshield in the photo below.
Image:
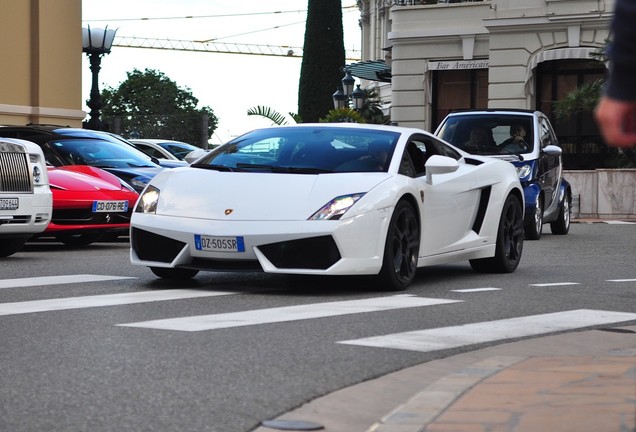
489	134
94	152
178	149
305	150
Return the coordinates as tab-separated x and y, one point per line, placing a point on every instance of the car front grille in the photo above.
315	253
154	247
87	217
14	169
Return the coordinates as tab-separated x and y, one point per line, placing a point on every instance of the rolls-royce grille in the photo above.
154	247
14	170
317	253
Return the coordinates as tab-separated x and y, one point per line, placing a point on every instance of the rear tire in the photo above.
401	250
9	246
509	241
561	225
534	229
174	273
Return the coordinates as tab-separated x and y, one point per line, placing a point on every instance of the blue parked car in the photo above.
526	139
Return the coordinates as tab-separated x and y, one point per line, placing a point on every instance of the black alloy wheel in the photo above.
509	245
402	249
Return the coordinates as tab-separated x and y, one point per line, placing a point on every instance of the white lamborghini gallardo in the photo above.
331	199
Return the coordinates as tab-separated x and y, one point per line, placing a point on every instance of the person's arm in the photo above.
616	111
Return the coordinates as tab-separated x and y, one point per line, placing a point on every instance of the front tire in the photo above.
401	249
534	229
509	241
561	225
174	273
9	246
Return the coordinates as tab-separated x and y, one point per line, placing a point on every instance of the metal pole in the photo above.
95	102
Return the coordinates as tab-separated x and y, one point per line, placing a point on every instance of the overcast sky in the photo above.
229	83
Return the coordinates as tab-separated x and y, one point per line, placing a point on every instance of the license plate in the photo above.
219	244
9	203
110	206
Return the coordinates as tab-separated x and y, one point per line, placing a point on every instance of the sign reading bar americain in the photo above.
458	64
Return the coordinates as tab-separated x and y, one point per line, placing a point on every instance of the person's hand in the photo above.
617	120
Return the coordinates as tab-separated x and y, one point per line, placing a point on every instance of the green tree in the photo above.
323	59
152	105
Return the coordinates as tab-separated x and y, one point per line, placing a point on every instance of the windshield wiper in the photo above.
215	167
282	169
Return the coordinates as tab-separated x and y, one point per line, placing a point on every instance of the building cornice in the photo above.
23	110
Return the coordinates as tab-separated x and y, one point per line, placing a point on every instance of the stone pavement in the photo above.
583	381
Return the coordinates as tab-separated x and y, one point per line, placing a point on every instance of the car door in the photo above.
447	206
549	165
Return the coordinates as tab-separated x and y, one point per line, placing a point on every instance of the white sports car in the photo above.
331	199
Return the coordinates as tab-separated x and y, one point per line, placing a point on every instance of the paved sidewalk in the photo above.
579	381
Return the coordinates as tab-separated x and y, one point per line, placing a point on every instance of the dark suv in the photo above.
63	148
526	139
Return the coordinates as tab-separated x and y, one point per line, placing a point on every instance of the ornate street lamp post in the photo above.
96	43
344	96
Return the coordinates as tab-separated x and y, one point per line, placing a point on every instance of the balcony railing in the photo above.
424	2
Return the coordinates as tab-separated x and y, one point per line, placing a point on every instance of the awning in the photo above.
583	53
372	70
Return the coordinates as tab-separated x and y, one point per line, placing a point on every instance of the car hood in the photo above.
207	194
82	178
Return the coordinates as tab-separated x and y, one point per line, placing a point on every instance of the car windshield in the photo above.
489	134
179	150
307	150
93	152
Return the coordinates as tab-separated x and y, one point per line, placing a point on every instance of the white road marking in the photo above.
618	222
621	280
554	284
469	334
289	313
470	290
57	280
47	305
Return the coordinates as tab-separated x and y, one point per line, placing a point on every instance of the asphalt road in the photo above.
91	343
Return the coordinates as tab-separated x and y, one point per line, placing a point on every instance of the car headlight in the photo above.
37	174
524	171
335	208
37	169
147	202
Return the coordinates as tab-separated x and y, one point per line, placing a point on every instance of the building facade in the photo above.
445	55
40	71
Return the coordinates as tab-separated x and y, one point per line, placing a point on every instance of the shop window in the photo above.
578	134
458	89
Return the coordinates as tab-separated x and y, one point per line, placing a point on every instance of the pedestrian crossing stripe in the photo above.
468	334
57	280
289	313
47	305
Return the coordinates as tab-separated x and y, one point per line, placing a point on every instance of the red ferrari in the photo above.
89	204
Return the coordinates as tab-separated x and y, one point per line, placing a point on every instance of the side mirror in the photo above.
437	164
552	150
